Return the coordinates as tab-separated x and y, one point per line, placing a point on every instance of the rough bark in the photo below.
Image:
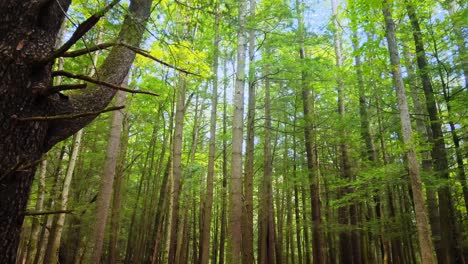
422	221
28	31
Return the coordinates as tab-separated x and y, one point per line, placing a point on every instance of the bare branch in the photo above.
48	212
76	53
65	87
70	116
99	82
146	54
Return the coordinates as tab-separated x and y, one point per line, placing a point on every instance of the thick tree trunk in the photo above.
28	30
422	221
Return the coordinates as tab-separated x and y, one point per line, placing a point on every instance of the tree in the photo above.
422	221
235	190
35	117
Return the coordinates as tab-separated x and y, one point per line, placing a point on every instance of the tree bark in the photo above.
28	31
266	228
422	221
247	214
235	190
207	213
110	165
177	167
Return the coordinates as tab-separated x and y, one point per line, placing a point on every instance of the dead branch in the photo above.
146	54
65	87
99	82
48	212
80	52
70	116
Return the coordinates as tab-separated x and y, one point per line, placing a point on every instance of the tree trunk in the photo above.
318	241
177	167
26	66
426	164
222	235
114	251
107	182
247	214
266	228
51	254
235	190
451	248
422	221
33	239
207	213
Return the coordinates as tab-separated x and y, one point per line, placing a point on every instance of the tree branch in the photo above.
48	212
65	87
80	52
70	116
82	29
99	82
146	54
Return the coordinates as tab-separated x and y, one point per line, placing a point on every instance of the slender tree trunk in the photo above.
114	251
105	193
33	239
222	235
266	221
51	254
247	215
177	167
426	163
452	250
207	213
318	241
235	190
422	221
349	241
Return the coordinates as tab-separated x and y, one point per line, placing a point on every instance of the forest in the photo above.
233	131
